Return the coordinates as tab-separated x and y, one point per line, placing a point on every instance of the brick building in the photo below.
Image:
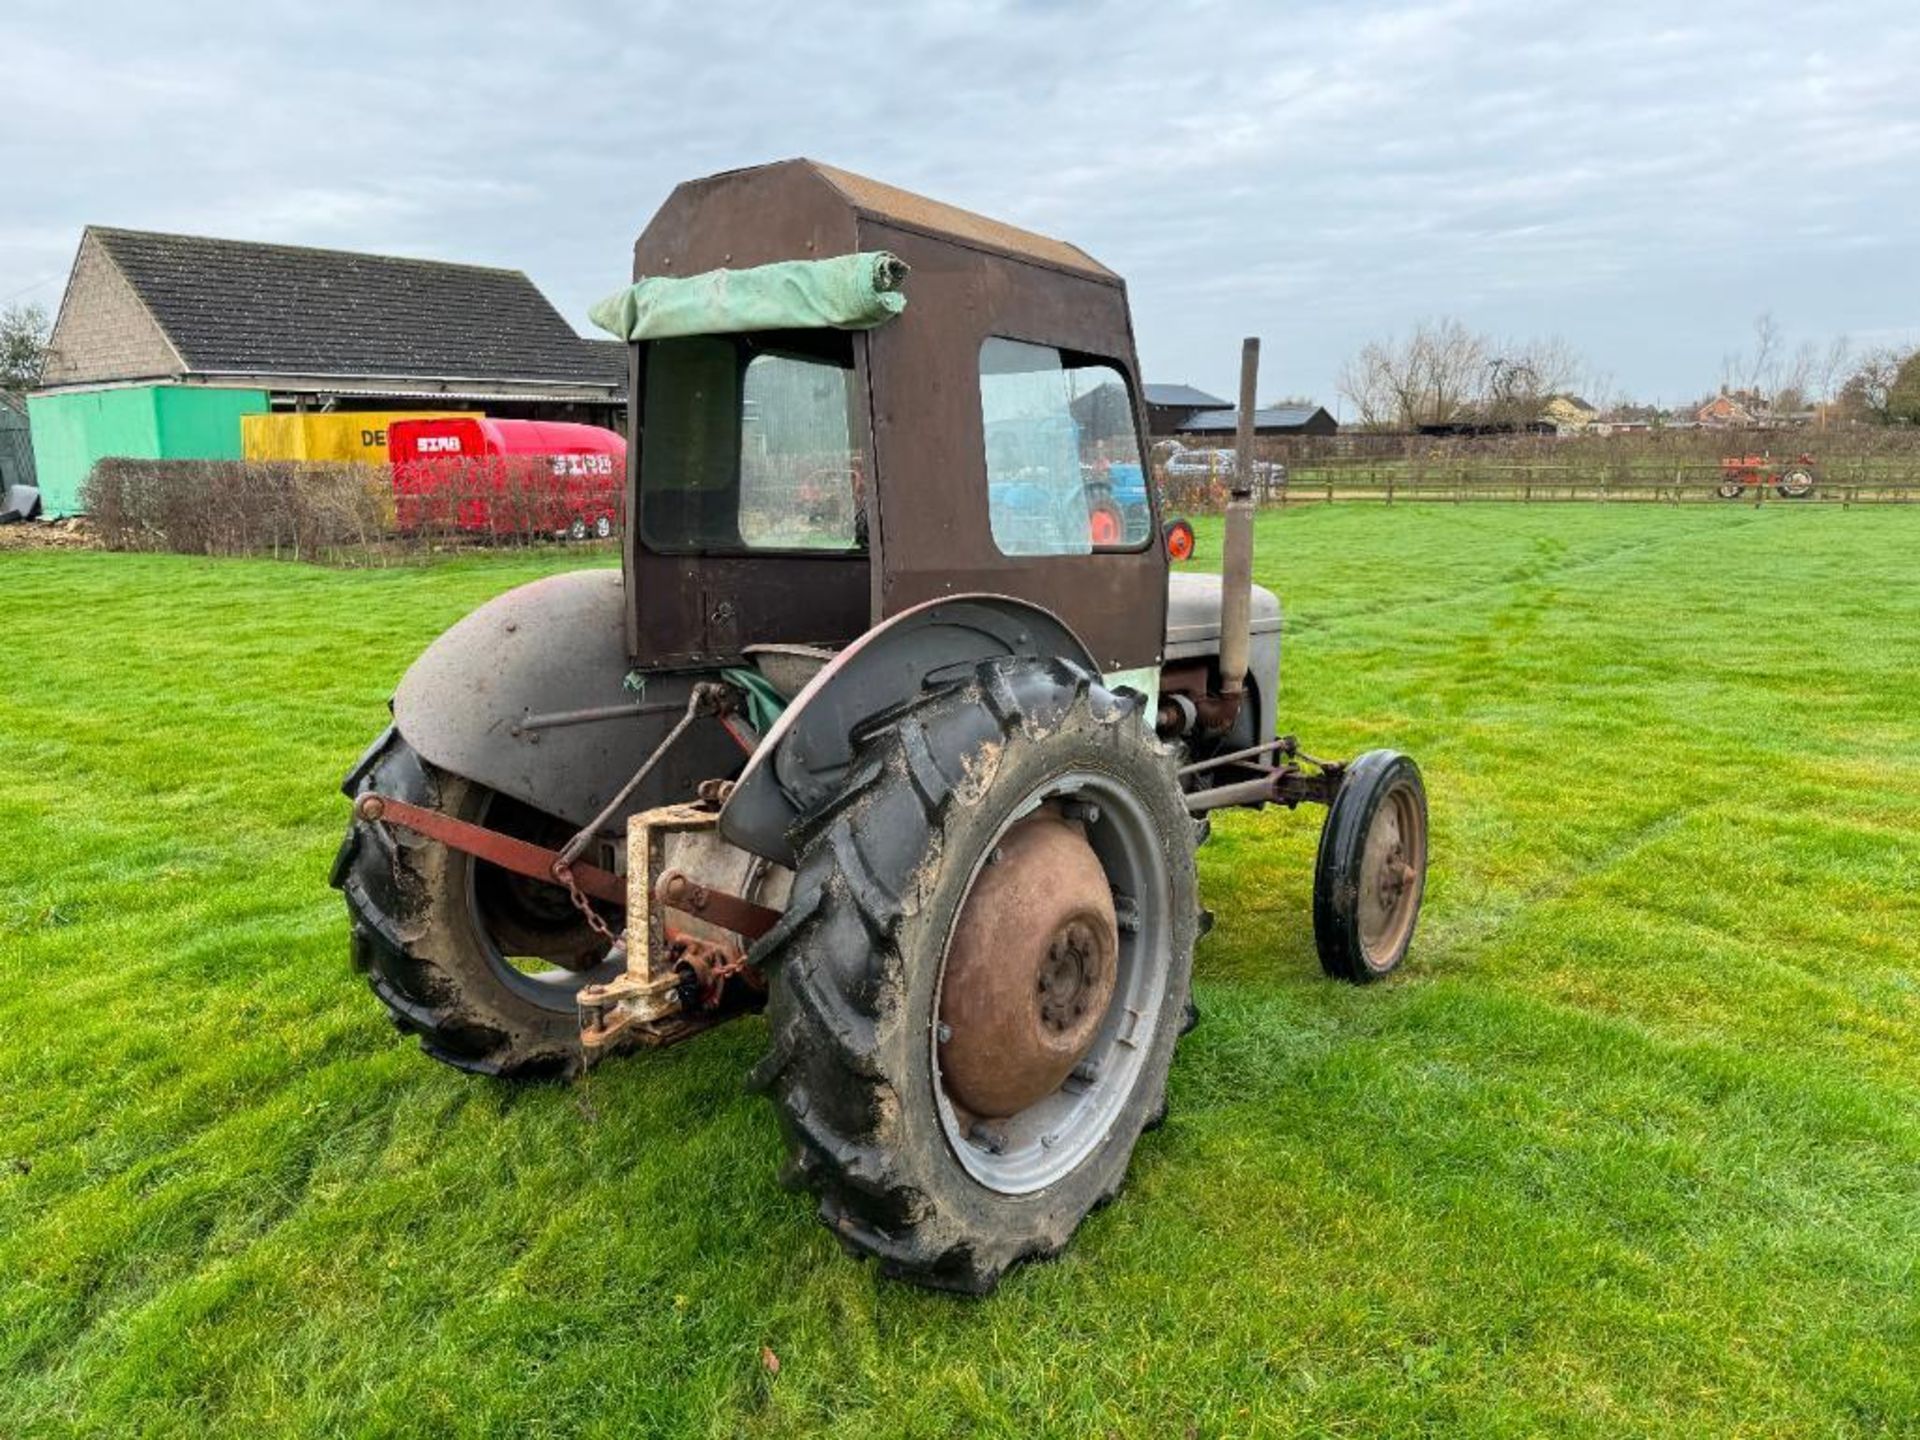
164	342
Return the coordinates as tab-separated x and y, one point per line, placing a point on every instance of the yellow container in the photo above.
350	435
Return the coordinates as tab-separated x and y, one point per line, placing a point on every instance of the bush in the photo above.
230	507
334	512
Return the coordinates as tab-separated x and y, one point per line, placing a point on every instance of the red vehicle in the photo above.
506	477
1739	473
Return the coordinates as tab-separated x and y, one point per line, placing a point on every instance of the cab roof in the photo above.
803	209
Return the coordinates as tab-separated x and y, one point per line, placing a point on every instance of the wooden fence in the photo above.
1695	469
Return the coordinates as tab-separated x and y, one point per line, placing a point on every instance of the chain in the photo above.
564	874
707	698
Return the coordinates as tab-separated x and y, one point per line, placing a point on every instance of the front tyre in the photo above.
1371	872
1178	534
977	988
482	964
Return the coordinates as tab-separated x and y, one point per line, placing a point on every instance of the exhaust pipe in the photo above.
1236	577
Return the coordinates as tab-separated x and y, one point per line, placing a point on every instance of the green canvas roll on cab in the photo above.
848	292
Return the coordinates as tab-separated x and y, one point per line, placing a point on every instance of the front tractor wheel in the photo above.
480	963
977	988
1179	539
1372	868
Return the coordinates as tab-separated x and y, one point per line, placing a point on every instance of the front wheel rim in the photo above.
1042	1144
1392	866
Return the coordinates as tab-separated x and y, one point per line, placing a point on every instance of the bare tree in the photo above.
1833	367
1430	378
1868	393
1761	371
24	332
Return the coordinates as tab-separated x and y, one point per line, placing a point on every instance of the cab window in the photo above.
1063	459
747	443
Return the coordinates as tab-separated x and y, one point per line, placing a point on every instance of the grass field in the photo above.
1633	1146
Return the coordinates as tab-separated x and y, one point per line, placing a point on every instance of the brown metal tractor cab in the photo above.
873	730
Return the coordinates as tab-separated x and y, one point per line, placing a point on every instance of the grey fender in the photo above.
555	645
803	760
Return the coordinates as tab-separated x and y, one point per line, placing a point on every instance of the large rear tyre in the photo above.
1371	872
961	1083
481	964
1796	483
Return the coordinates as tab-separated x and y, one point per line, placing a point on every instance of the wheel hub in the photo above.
1387	874
1030	969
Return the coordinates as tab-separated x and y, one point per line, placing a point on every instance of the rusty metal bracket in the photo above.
1289	785
678	891
490	845
608	1011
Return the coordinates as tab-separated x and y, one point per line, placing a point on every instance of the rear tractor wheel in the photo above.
1106	524
480	963
1795	484
1372	868
977	988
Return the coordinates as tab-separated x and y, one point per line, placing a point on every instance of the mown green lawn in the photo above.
1633	1146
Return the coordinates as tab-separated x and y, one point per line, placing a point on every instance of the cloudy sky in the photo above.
1641	179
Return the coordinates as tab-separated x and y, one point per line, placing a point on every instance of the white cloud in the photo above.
1318	173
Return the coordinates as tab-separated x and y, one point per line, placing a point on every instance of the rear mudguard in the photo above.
803	760
556	645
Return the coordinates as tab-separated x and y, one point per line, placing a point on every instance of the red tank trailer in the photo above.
506	477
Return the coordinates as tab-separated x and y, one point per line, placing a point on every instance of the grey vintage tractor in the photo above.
885	726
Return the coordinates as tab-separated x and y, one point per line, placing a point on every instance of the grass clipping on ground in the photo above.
1631	1147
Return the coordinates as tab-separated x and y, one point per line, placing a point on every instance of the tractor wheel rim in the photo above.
1392	864
1029	970
1109	1040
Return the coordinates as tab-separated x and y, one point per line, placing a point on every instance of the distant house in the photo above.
1725	411
1183	410
164	342
1568	414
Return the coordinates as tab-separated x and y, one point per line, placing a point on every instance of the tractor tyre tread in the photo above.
416	949
841	1033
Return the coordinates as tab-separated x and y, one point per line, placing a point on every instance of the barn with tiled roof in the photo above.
165	342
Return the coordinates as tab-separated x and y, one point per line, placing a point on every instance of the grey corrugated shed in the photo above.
234	307
16	443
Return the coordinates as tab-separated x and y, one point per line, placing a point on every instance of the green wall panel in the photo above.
203	424
74	429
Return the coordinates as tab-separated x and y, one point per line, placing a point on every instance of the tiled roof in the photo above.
1178	396
1277	417
236	307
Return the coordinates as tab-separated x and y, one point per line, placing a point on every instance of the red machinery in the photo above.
1739	473
506	477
